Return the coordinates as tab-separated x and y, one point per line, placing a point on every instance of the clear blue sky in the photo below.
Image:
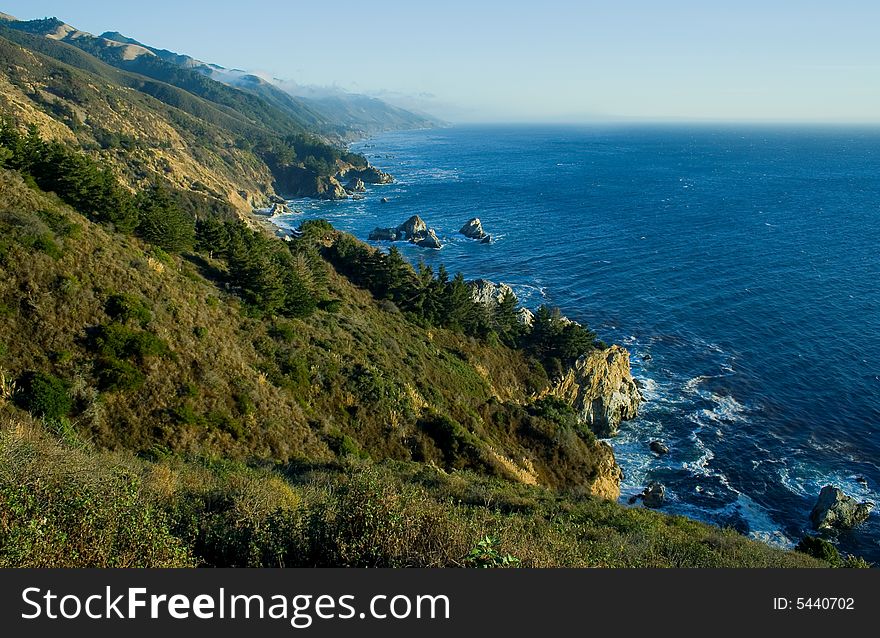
553	60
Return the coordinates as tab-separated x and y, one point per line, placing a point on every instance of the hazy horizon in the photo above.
513	62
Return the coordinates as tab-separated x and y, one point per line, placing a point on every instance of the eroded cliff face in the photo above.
601	388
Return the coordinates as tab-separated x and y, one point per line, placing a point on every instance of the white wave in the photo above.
691	385
649	387
726	410
700	466
761	524
807	481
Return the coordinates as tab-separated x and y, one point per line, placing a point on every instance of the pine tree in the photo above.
459	307
506	321
213	237
399	279
162	223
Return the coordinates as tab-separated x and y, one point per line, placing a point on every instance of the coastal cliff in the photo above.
601	389
299	181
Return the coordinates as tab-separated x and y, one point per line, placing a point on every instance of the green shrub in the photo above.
60	224
124	307
331	305
819	548
486	554
184	414
460	448
553	408
224	422
363	522
343	445
282	331
117	341
115	375
45	244
825	550
44	395
296	369
61	508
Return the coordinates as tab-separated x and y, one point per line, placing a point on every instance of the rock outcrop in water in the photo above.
279	209
836	510
601	389
659	447
413	230
654	495
473	229
369	175
428	239
490	294
329	188
356	185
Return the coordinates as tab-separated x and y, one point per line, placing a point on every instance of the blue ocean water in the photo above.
740	267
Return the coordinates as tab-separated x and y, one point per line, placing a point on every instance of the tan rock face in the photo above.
608	475
601	388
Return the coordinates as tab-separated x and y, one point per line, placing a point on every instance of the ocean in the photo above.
739	265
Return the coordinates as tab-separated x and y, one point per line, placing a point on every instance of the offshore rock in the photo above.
429	240
474	229
369	175
356	185
413	230
384	234
659	447
601	389
279	209
654	495
836	510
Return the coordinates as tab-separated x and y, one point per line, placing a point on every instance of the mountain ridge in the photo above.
344	117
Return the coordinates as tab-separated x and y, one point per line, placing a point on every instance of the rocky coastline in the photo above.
599	385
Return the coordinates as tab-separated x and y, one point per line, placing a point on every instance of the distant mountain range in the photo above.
336	114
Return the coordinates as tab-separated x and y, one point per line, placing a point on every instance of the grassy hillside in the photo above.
293	117
66	504
156	355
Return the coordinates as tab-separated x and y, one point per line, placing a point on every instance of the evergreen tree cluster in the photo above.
154	214
272	278
441	301
315	155
75	178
